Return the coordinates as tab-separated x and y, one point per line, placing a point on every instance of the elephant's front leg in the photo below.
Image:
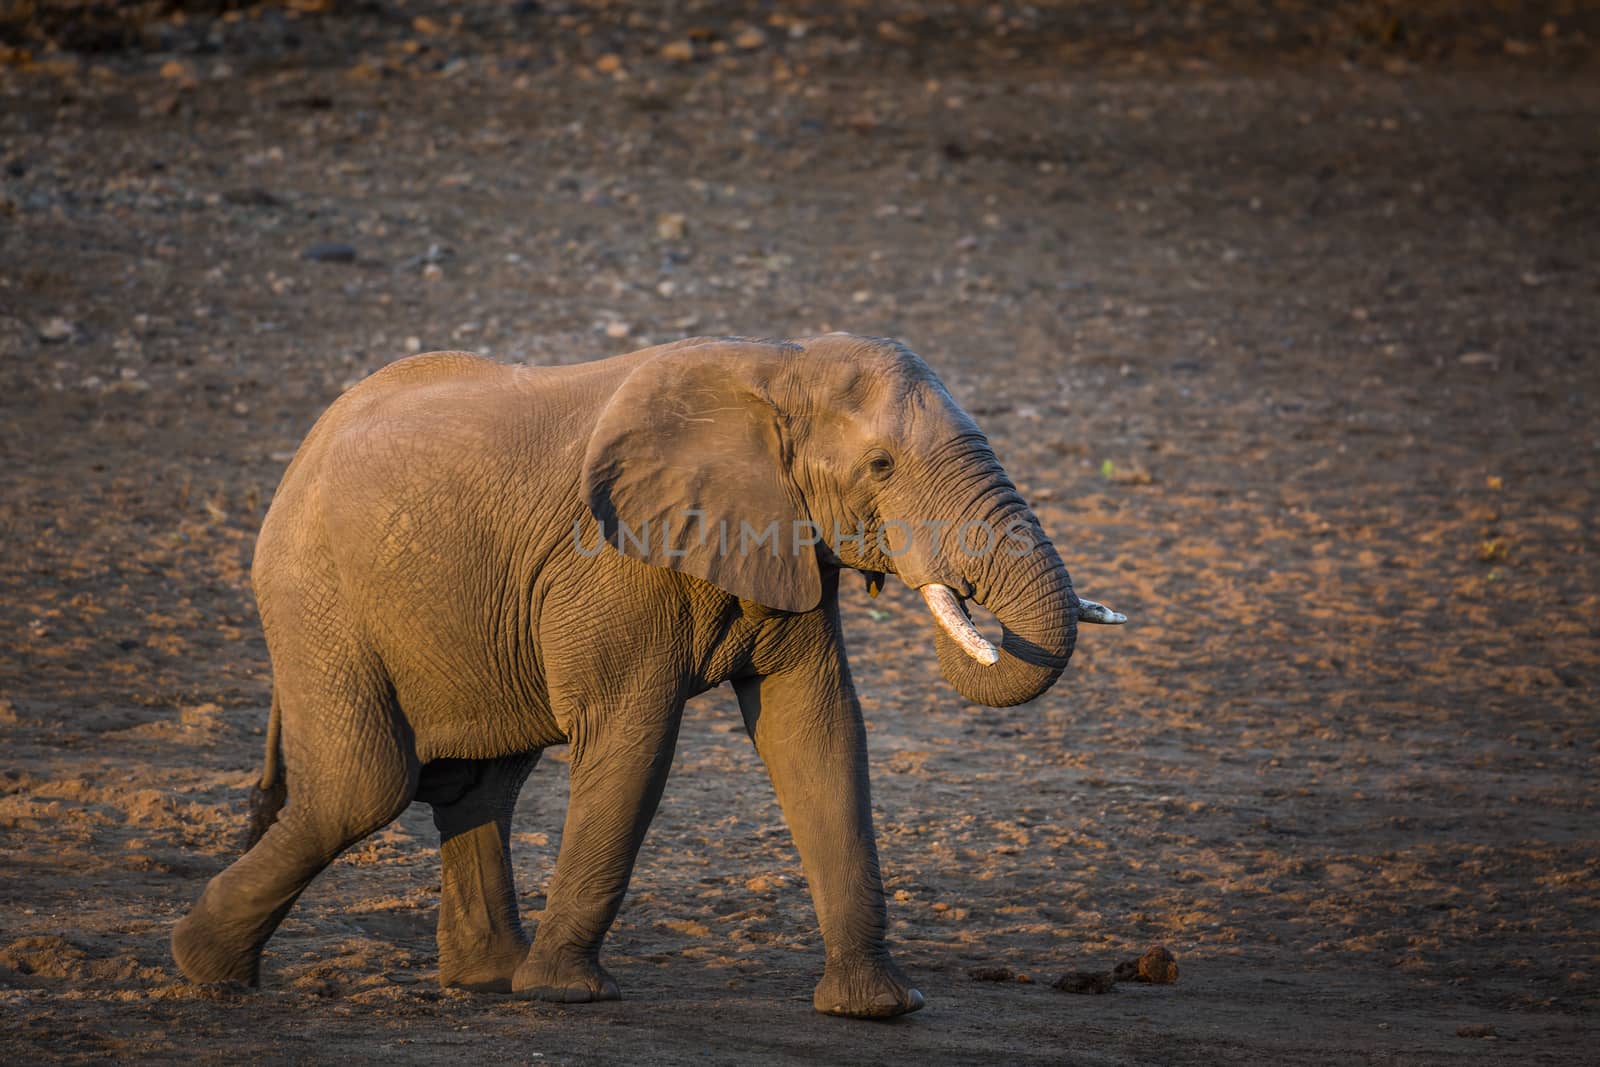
620	758
807	727
481	942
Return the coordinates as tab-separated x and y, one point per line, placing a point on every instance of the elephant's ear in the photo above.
686	469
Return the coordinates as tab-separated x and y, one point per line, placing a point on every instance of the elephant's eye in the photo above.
880	465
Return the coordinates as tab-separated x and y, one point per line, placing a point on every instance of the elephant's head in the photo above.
751	464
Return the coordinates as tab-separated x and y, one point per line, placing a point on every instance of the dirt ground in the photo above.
1284	319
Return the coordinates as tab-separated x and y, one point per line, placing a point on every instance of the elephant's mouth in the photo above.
947	611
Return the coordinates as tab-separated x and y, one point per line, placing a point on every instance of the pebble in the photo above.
330	252
678	51
672	226
56	330
749	38
252	196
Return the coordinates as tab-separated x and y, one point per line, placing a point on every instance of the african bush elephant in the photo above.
467	562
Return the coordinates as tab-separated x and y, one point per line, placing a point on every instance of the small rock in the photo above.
609	63
1478	359
618	330
56	330
750	38
252	197
672	226
1085	982
1157	966
1478	1030
891	31
992	974
678	51
432	272
330	252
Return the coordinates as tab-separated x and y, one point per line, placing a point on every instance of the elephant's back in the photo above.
418	511
446	415
431	442
360	409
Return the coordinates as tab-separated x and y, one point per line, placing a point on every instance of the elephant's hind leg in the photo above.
351	770
481	942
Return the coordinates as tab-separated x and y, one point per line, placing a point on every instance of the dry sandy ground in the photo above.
1289	336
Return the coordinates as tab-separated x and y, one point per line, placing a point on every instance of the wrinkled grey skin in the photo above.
433	626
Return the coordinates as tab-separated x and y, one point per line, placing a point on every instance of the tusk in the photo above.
1089	611
946	609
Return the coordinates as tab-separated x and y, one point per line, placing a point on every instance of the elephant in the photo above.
469	561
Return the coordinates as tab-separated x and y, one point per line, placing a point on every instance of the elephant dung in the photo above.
1157	966
1086	982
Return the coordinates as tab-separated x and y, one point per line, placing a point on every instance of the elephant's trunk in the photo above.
1027	587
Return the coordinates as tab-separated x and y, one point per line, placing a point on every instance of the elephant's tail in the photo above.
271	791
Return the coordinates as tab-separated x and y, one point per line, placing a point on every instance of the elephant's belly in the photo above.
454	721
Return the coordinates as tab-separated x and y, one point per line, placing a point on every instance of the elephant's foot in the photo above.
564	977
206	952
492	973
872	988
